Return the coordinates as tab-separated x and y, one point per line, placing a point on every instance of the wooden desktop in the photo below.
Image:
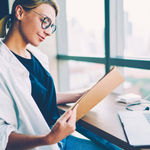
103	121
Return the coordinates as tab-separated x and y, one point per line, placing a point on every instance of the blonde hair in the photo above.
27	6
3	25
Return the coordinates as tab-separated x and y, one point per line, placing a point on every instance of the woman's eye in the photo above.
44	21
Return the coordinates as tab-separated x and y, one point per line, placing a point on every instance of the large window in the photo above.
136	28
137	81
99	34
80	35
85	21
83	75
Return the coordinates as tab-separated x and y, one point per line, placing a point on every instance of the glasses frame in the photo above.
53	26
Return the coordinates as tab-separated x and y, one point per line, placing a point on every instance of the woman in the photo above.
27	94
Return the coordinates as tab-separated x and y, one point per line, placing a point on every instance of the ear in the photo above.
19	12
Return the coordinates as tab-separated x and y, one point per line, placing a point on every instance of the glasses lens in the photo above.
53	28
46	22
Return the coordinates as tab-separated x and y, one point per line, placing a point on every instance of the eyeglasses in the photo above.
46	23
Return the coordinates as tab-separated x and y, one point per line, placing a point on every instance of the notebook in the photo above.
136	125
98	92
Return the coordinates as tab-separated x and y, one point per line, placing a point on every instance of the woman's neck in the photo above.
16	43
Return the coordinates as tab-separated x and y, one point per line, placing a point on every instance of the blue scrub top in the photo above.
43	89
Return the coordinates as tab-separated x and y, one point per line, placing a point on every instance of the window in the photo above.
83	74
121	39
136	29
129	43
85	21
137	81
80	33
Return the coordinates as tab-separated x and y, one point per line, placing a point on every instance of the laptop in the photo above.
136	125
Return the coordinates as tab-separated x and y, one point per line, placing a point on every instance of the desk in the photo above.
103	121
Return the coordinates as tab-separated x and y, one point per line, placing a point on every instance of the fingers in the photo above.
75	106
63	127
69	114
72	118
65	116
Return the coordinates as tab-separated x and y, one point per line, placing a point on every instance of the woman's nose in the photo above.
48	31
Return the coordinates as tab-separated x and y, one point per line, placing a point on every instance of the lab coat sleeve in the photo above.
5	131
8	119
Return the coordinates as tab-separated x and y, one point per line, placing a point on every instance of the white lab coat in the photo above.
18	110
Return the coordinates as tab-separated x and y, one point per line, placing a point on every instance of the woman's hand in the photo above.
64	126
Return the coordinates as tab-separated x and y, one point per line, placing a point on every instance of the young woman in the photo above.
28	106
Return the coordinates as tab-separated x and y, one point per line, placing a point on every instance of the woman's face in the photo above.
30	24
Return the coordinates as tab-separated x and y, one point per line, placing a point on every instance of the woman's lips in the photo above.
41	38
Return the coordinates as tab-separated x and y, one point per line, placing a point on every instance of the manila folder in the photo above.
98	92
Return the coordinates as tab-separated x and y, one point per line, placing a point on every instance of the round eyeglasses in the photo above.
46	23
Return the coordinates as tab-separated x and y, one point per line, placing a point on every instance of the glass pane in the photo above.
85	22
137	81
83	75
137	28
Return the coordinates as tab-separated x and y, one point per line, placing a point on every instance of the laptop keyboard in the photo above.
147	116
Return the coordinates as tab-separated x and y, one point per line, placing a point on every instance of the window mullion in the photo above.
107	37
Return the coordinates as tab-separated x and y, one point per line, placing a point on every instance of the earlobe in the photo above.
19	12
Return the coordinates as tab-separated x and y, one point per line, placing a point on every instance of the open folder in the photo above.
101	89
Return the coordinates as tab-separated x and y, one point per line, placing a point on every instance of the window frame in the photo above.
108	61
